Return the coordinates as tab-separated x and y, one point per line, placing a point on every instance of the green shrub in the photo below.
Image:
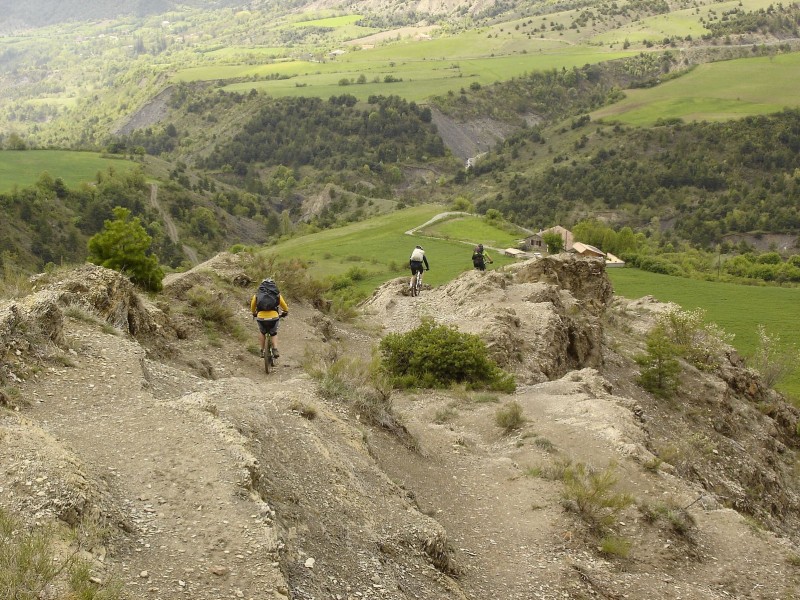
291	276
437	356
678	519
699	342
615	546
545	444
773	361
210	308
14	282
510	417
443	415
361	384
309	411
32	563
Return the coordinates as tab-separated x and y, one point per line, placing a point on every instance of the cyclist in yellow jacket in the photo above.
268	322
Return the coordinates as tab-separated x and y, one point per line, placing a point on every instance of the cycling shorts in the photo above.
268	326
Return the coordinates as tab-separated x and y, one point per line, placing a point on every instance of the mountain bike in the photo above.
416	284
269	357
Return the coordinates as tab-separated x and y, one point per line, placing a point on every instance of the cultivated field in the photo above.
738	309
23	168
714	92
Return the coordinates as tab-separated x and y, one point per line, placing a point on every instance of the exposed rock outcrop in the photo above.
540	318
28	324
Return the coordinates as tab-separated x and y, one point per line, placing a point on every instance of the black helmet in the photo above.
480	246
420	247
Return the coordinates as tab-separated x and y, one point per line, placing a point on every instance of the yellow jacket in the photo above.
268	314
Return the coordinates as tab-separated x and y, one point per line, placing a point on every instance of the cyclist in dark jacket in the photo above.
480	258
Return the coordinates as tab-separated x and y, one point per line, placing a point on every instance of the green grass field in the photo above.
472	229
714	92
381	248
23	168
738	309
420	78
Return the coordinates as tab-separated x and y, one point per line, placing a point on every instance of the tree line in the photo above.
334	135
706	179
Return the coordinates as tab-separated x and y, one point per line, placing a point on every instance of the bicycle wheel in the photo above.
414	289
268	354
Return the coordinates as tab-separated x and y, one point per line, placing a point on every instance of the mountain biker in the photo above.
268	321
415	262
480	258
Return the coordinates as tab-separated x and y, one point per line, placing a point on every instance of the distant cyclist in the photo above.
415	262
267	306
480	258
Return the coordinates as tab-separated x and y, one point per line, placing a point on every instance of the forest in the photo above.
708	179
332	135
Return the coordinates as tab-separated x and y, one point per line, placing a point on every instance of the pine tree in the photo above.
124	246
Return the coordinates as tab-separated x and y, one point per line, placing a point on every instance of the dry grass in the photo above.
510	417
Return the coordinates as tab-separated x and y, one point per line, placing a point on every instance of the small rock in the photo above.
219	570
144	574
310	563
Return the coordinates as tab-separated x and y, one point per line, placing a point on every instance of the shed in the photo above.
587	251
613	261
516	253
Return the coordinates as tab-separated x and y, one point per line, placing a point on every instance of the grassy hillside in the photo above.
714	92
23	167
738	309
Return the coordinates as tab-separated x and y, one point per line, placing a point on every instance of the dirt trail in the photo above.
180	475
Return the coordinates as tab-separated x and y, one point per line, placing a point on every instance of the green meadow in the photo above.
738	309
714	92
381	248
470	229
419	78
335	22
22	168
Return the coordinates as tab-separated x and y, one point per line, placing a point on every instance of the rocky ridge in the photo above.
214	483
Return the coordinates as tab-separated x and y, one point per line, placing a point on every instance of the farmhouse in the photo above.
565	234
532	242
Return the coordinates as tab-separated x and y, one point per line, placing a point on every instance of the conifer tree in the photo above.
124	246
